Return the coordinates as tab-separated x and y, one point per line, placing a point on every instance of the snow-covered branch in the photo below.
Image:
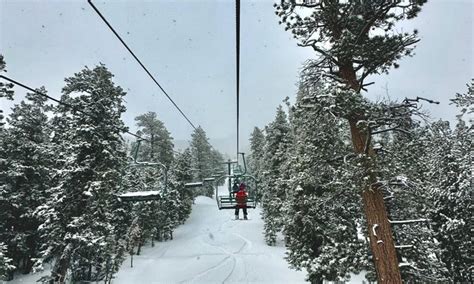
390	196
403	246
391	129
400	222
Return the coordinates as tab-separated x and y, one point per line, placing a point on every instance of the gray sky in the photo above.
189	46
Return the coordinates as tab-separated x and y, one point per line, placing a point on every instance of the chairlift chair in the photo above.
133	196
229	201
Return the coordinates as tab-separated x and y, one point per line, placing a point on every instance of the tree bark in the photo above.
379	229
380	233
139	249
62	265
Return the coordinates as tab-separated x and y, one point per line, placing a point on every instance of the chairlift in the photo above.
236	174
133	196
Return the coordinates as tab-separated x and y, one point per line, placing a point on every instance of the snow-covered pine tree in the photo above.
27	177
356	39
202	158
146	212
160	147
181	171
323	215
217	160
451	176
5	88
2	63
6	265
178	199
274	193
173	204
77	233
255	160
404	162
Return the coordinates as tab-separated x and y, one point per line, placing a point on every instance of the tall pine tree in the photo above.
323	218
27	178
451	177
356	39
274	189
79	232
160	145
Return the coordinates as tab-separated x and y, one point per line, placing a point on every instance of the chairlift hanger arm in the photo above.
245	163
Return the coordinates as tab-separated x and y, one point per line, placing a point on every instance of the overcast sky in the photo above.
190	48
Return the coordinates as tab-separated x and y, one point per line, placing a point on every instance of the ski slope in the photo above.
211	247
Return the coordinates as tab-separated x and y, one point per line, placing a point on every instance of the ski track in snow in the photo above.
211	247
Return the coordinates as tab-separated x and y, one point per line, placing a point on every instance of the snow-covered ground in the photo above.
211	247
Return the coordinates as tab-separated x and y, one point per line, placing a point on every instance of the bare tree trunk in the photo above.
62	265
89	274
139	249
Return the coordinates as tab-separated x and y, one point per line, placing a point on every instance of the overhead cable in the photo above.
141	64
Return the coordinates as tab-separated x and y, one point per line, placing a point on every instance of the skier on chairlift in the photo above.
235	186
241	198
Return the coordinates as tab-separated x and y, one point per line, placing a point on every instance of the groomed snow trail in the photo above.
211	247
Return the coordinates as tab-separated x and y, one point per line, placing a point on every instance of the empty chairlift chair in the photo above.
147	195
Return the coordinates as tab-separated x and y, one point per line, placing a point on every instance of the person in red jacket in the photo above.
241	199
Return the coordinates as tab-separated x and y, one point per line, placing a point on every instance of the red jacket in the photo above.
241	198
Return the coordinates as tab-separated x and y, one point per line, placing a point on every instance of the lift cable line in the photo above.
237	64
139	62
71	106
144	67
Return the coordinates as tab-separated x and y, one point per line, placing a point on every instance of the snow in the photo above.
212	247
193	184
374	227
407	221
141	193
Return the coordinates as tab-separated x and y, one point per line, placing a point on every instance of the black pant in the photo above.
243	209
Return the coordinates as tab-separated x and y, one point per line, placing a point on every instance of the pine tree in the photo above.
255	161
6	265
6	268
257	142
160	147
203	159
181	171
408	202
355	39
322	216
5	92
78	232
451	190
28	156
274	192
147	212
5	88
